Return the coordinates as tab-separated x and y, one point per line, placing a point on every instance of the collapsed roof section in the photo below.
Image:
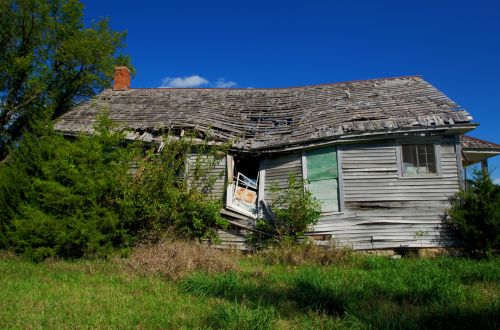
269	118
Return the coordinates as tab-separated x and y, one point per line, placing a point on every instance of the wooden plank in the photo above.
278	169
341	178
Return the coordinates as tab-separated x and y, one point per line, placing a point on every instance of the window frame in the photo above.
437	159
340	178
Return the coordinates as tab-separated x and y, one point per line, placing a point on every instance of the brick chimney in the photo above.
122	78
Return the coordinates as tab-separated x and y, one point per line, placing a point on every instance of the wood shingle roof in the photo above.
263	118
470	143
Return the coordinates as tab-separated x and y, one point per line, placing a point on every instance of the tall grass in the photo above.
174	259
358	292
375	292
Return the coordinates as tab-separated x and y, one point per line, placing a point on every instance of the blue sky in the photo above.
455	45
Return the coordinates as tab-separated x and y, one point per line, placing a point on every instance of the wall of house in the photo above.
277	172
382	209
217	170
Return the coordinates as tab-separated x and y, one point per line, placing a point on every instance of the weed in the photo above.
289	253
176	259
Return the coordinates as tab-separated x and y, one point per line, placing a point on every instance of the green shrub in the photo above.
75	198
59	197
294	210
160	198
475	216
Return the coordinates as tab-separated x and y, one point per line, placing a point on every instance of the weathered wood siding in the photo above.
219	171
383	209
278	170
232	238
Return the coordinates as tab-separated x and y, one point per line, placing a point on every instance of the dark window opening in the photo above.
418	159
246	165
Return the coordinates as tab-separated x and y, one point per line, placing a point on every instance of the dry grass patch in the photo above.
306	253
176	259
7	255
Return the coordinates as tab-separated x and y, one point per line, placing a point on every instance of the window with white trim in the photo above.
418	159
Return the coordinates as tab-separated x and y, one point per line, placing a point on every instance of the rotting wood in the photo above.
270	117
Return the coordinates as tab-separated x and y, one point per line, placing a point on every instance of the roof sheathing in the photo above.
263	118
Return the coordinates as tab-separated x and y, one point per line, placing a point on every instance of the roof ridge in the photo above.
289	87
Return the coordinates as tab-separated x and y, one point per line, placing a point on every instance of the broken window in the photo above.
323	177
244	186
418	159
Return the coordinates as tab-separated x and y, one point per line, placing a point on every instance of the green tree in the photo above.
61	197
80	197
49	61
475	216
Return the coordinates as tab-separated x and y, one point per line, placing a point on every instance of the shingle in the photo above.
475	144
270	117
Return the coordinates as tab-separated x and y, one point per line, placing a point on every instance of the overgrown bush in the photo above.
475	216
60	197
162	199
75	198
293	210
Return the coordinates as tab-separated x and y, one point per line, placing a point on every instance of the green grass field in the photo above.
361	292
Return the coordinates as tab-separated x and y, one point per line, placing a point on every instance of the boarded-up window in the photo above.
418	159
322	177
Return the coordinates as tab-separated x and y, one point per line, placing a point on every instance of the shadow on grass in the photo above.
462	318
383	302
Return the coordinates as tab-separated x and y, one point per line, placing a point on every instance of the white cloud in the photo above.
497	181
183	82
222	83
195	81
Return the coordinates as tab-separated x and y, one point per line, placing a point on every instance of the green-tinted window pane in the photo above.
326	192
322	164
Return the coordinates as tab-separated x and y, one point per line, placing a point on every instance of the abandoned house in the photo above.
382	156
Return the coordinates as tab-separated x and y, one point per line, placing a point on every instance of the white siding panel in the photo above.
278	169
384	210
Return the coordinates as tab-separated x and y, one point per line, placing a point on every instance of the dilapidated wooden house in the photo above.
382	155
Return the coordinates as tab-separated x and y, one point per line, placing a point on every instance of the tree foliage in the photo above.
475	216
50	61
78	198
162	199
62	197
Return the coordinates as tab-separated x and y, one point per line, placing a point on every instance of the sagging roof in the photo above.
264	118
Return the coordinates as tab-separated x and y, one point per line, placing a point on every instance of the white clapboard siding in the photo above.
383	209
233	238
278	170
219	171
